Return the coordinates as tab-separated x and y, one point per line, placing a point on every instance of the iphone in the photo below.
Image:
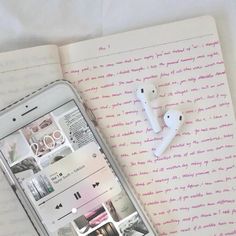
62	171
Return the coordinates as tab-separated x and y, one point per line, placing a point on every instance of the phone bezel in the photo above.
46	100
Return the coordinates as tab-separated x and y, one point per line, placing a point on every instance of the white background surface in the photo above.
31	22
36	22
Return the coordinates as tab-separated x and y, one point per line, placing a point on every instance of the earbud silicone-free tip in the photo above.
173	120
146	93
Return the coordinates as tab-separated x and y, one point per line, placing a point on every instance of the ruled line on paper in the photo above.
137	49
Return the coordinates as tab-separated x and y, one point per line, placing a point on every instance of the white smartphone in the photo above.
63	172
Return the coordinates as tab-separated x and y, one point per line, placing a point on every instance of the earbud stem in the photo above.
165	143
152	118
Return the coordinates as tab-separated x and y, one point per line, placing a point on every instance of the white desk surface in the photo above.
31	22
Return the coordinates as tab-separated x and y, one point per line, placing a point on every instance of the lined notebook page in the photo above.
190	189
22	72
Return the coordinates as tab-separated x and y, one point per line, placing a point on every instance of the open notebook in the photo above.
191	189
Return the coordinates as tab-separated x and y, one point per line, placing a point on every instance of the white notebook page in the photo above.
22	72
190	190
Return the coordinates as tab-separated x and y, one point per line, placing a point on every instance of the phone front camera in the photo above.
14	119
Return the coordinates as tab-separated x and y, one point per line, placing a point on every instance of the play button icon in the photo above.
58	206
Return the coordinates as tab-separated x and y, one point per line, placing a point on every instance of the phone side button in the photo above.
91	116
7	175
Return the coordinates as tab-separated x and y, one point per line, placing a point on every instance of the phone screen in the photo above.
68	179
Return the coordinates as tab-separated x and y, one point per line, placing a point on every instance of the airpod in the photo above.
146	93
173	120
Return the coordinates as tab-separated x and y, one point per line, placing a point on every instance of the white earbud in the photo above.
146	93
173	120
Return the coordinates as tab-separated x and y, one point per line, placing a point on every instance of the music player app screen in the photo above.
68	179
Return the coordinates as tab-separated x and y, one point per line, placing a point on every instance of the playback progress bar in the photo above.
84	204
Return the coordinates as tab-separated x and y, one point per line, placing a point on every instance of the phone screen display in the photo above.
68	179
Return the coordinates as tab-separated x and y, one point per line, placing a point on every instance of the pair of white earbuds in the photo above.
172	118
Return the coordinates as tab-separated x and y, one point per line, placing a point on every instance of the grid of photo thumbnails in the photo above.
50	139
